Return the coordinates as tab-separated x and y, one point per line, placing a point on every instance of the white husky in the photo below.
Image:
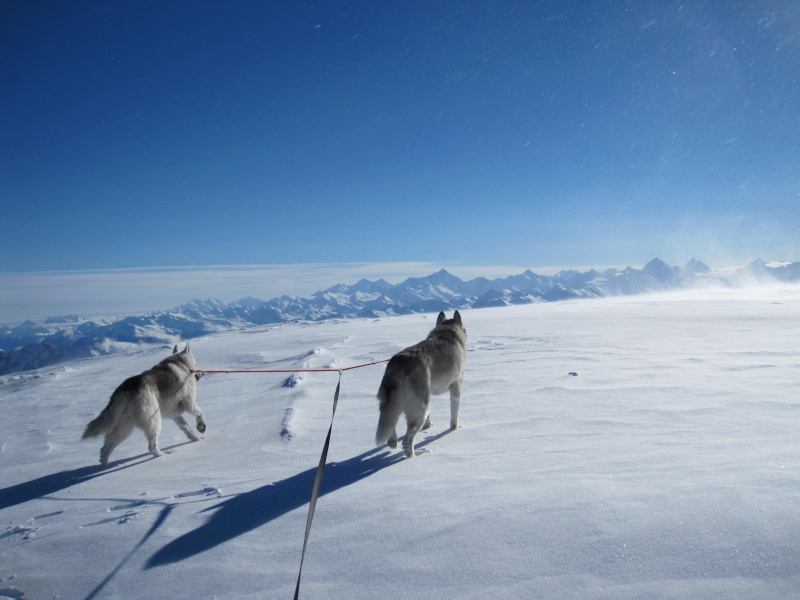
167	390
432	367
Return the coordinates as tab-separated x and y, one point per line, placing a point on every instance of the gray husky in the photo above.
167	390
432	367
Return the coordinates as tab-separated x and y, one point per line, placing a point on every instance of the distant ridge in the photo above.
31	345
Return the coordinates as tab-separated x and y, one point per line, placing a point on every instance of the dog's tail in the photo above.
104	421
390	411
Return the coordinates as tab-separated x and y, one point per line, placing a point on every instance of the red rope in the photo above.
205	372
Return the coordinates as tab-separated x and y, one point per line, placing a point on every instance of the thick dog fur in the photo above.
167	390
432	367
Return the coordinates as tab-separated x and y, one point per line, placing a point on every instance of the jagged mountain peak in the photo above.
201	305
696	266
439	277
660	270
361	286
656	263
248	302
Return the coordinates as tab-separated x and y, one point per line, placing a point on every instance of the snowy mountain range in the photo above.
31	345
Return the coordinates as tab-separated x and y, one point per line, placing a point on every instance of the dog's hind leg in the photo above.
387	423
114	438
152	446
181	422
416	416
414	427
152	427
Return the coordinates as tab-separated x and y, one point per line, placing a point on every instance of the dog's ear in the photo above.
175	349
187	350
457	318
440	318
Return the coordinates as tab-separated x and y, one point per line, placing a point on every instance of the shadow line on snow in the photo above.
162	516
55	482
244	512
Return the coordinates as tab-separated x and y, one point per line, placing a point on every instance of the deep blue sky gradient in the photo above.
150	134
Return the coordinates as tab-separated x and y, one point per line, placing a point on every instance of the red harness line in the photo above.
226	371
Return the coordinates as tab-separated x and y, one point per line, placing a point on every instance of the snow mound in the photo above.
667	468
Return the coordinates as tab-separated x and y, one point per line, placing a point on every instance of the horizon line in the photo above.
448	266
114	292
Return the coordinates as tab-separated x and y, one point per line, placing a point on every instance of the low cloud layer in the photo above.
117	292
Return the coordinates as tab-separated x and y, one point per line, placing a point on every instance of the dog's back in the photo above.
126	391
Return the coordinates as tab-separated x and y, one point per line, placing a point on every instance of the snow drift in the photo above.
667	467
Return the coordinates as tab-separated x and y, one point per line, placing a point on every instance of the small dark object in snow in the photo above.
572	374
293	380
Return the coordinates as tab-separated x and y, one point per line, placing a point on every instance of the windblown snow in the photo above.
633	448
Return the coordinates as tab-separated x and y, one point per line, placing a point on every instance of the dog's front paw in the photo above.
201	426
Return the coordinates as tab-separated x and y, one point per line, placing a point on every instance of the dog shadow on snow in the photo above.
247	511
55	482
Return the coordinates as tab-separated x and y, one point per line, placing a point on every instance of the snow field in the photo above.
667	467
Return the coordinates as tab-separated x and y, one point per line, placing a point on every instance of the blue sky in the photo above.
182	134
